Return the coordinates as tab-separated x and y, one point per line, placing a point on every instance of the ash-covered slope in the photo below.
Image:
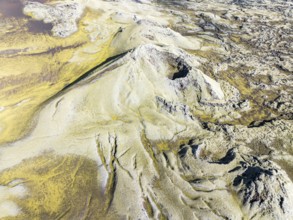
133	118
186	119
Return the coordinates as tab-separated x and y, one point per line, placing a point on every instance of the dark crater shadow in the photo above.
183	69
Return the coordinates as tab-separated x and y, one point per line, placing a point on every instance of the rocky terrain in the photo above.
146	109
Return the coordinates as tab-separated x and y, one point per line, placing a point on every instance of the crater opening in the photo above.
183	69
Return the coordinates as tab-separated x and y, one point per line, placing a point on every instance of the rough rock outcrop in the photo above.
63	16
